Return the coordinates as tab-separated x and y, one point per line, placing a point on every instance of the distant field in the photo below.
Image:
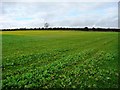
59	59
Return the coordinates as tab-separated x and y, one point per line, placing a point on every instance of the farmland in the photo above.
59	59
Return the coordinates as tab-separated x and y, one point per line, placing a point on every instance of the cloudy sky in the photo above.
30	14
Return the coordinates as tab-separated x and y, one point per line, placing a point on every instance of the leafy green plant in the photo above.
59	59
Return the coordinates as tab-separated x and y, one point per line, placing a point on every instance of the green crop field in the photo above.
59	59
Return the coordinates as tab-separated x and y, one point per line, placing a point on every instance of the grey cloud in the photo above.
59	14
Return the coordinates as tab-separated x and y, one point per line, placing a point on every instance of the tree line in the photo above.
62	28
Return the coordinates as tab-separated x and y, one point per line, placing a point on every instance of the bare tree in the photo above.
46	25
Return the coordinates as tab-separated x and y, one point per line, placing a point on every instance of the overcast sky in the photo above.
66	14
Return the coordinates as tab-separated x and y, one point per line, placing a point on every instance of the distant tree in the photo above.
46	25
93	29
86	28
